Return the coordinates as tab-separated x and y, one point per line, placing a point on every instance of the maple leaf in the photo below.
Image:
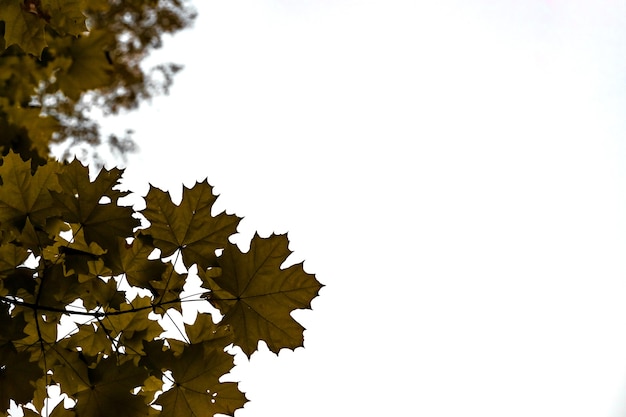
109	390
11	327
58	289
168	288
15	279
25	22
81	202
197	390
16	372
65	16
203	330
256	296
86	66
22	28
40	128
91	341
68	369
134	328
11	257
132	260
189	227
98	293
25	196
76	253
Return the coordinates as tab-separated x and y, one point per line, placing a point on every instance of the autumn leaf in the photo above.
257	297
189	227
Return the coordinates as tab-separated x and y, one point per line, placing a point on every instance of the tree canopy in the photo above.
61	58
93	292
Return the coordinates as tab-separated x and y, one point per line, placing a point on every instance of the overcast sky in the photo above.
452	171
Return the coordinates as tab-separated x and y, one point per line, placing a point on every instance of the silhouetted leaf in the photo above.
256	296
189	227
197	390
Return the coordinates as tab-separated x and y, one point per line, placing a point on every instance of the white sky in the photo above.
452	171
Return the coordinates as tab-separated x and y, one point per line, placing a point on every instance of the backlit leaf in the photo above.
22	28
88	67
197	390
256	296
16	373
109	391
189	227
23	195
81	202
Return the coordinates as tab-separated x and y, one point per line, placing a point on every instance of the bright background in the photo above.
453	172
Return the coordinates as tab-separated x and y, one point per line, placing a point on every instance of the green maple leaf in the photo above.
22	28
189	227
257	297
109	390
93	205
197	390
24	195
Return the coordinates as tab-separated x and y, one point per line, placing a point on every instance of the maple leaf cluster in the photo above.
85	287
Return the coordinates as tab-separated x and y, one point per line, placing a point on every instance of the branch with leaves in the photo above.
85	287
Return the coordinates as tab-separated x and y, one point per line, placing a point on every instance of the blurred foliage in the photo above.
62	58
